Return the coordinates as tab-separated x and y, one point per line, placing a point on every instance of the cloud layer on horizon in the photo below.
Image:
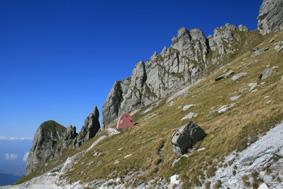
6	138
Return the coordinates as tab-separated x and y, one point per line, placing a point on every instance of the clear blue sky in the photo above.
59	58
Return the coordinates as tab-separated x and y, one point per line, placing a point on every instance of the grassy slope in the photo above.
149	141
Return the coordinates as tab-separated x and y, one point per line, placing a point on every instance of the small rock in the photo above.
127	156
234	98
201	149
116	162
252	86
266	97
112	131
258	51
186	107
175	180
224	108
225	75
96	154
282	78
272	40
263	186
265	73
279	46
147	110
118	180
190	116
239	76
171	103
268	102
275	67
185	137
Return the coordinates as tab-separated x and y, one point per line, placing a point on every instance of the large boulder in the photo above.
266	73
185	137
46	145
270	18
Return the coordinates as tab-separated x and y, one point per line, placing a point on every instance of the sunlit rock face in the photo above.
270	18
181	64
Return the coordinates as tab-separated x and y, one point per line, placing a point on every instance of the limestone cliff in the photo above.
270	16
183	63
51	139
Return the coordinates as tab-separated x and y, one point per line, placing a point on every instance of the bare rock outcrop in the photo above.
183	63
46	145
52	138
270	18
90	127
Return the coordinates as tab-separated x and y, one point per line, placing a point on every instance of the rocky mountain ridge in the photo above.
190	56
191	53
184	62
51	139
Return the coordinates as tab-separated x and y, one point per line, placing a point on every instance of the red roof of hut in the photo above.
125	121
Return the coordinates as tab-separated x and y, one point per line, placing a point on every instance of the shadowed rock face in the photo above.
46	145
270	18
52	138
185	137
90	127
183	63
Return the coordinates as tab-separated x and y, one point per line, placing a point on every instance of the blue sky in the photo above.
13	154
59	58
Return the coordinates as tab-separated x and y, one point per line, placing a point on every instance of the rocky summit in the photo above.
51	139
190	55
208	113
46	145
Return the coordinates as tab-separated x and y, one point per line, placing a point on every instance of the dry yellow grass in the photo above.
250	117
147	146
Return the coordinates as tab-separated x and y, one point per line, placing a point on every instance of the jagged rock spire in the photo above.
180	64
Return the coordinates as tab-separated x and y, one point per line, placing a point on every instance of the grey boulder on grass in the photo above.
185	137
266	73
